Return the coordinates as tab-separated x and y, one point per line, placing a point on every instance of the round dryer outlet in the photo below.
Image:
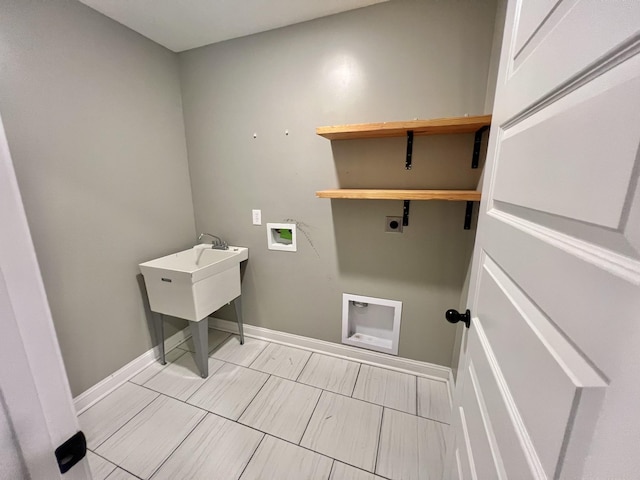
393	224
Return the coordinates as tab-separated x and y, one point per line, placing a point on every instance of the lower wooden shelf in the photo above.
368	194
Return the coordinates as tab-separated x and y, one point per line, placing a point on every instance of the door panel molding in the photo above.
555	62
547	375
621	266
583	309
574	364
539	17
519	455
607	240
543	159
612	59
474	403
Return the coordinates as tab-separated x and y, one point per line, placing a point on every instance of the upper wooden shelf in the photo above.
377	194
435	126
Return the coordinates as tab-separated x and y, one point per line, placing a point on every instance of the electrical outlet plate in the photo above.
393	224
256	215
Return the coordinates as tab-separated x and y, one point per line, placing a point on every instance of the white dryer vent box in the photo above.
371	323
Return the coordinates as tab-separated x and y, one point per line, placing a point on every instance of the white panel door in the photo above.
549	382
36	409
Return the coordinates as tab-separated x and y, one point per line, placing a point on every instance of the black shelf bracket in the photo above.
407	163
467	216
405	213
477	145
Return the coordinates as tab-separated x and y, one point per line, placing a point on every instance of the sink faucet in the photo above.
217	243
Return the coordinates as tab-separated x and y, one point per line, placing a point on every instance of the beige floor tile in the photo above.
120	474
276	459
229	391
341	471
231	351
281	360
102	420
387	388
100	468
218	449
156	367
411	447
216	337
433	400
330	373
282	409
345	429
149	438
182	377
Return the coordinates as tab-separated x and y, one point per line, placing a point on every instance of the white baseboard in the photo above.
113	381
369	357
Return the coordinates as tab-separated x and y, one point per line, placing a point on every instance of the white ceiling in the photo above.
184	24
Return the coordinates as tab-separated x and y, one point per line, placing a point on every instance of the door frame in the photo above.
35	387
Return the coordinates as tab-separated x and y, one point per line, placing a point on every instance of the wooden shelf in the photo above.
369	194
435	126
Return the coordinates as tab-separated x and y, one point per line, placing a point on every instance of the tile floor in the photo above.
268	412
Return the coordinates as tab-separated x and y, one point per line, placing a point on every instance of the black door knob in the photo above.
453	316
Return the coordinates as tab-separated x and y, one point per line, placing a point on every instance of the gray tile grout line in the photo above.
269	373
259	353
105	459
264	435
125	423
333	464
155	374
353	390
124	469
209	377
251	401
178	446
375	464
310	417
305	366
159	395
362	470
182	401
115	465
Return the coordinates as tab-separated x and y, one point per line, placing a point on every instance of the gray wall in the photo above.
393	61
93	116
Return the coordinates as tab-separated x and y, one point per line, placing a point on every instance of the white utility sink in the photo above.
194	283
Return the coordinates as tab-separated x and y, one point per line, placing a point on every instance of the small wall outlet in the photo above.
393	224
257	217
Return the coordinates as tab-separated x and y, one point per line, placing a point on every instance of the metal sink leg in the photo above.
200	336
237	303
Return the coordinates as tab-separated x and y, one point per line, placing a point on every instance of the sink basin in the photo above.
193	283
